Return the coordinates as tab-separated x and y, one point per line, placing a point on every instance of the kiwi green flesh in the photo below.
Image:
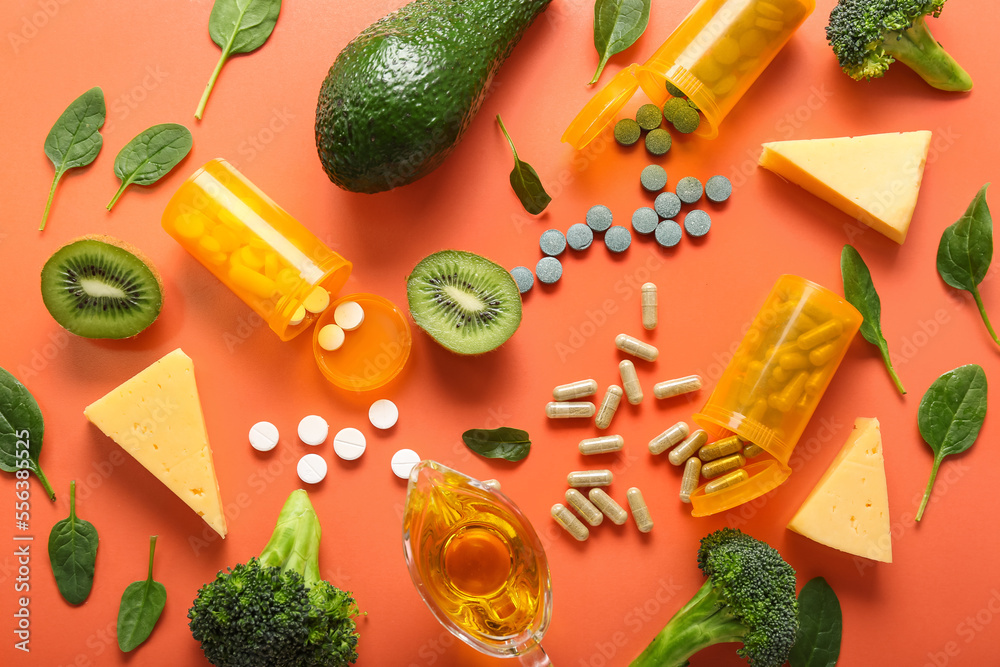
466	302
98	290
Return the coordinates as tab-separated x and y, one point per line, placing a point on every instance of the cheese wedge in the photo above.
849	507
873	178
156	417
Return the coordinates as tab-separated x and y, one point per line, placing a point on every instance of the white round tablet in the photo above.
383	413
311	468
403	462
313	430
330	337
298	316
349	315
349	443
263	436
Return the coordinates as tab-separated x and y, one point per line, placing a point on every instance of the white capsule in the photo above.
636	347
676	387
640	511
579	389
607	504
567	520
584	507
602	445
609	405
630	381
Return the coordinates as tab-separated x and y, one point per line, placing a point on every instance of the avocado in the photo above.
401	94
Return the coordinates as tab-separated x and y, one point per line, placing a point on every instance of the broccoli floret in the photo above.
869	35
749	597
276	610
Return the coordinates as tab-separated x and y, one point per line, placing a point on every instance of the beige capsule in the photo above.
635	347
668	438
691	444
650	314
580	478
677	386
608	506
718	467
609	405
721	447
568	520
689	482
491	484
602	445
579	389
727	481
640	511
630	381
584	507
751	450
569	410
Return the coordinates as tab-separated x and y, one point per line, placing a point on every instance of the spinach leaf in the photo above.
75	139
617	24
817	641
151	155
966	250
511	444
859	290
72	552
950	416
141	606
21	430
238	26
527	186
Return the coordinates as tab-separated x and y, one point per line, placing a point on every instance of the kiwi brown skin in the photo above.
118	265
464	301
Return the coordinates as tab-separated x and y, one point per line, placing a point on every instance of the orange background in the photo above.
938	604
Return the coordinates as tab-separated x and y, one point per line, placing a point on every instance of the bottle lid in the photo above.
602	108
762	477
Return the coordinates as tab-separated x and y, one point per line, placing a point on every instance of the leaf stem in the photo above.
118	194
884	349
72	498
37	469
507	136
600	68
152	549
211	81
930	486
52	193
982	311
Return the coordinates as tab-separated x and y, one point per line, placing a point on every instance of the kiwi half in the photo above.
467	303
100	287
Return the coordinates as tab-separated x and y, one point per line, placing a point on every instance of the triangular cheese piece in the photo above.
156	417
849	507
873	178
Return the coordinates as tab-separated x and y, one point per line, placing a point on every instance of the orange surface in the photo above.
937	604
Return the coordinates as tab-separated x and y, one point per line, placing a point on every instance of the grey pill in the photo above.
552	242
668	233
654	178
579	236
548	270
667	205
618	239
644	220
523	277
599	218
697	223
689	189
718	188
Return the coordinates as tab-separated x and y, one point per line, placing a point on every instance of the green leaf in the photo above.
21	430
75	139
859	290
151	155
73	552
511	444
238	26
950	416
966	250
617	24
140	608
817	641
525	181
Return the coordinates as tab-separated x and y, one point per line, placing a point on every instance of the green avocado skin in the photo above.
402	93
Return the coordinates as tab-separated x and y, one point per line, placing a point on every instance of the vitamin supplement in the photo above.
403	462
627	132
311	468
263	436
349	315
297	316
331	337
617	239
689	482
634	346
667	205
674	91
569	410
717	467
718	188
524	278
668	438
313	430
727	481
615	512
686	120
821	333
349	444
721	447
691	444
654	178
676	387
630	381
599	217
491	484
658	141
584	507
552	242
586	478
673	106
609	405
579	389
688	189
644	220
640	511
648	117
567	520
602	444
697	223
317	300
383	414
650	313
668	233
548	270
579	236
751	450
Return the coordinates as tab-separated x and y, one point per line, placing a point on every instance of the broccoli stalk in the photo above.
276	610
749	597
